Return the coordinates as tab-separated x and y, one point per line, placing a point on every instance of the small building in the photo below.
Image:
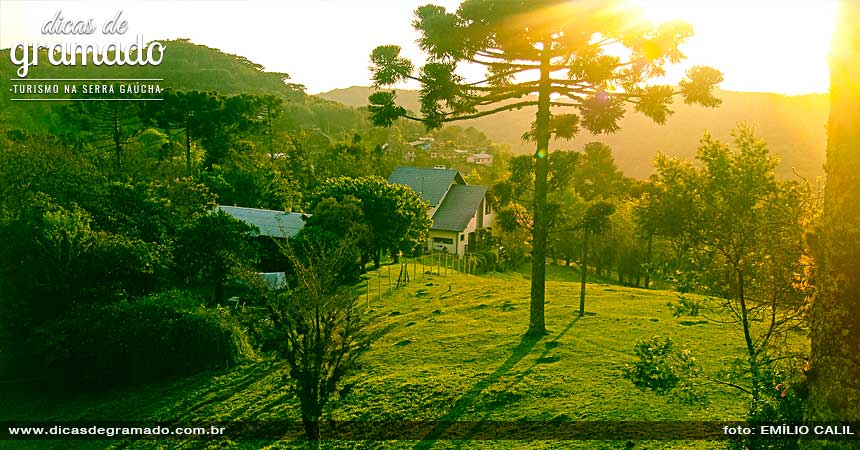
276	224
423	143
271	225
457	209
482	159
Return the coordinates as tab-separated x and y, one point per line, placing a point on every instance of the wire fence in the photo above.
389	278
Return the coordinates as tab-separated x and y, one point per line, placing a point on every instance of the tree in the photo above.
743	240
213	247
835	325
397	216
331	221
320	329
271	108
557	50
595	221
597	176
189	112
110	123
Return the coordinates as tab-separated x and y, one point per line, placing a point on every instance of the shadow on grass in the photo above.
527	343
549	346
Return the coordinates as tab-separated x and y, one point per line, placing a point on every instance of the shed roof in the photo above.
277	224
430	183
459	207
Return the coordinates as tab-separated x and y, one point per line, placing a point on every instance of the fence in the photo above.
410	270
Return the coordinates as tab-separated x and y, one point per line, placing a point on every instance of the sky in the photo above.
760	45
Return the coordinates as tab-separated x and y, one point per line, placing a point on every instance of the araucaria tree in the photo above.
579	62
835	327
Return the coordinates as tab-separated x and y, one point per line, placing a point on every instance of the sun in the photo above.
760	45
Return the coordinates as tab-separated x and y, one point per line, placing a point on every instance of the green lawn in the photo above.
454	353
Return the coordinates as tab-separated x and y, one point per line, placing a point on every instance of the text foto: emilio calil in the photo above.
792	430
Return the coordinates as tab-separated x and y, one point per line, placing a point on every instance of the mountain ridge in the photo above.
793	126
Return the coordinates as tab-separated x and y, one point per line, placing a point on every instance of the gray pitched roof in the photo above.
430	183
277	224
459	206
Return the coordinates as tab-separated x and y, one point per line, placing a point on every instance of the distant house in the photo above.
277	224
457	209
423	143
483	159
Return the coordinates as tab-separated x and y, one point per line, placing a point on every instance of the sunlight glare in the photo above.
789	37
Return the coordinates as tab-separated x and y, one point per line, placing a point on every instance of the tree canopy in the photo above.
564	53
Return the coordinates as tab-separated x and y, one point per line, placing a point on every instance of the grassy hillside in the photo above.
792	126
454	353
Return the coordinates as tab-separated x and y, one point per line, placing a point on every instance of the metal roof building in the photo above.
272	223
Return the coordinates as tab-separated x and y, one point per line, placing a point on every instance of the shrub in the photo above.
159	336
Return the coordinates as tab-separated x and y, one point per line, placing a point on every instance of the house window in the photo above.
487	207
440	240
462	237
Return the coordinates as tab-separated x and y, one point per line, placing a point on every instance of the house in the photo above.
457	209
277	224
272	224
423	143
483	159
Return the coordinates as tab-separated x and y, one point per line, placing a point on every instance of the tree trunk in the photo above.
537	323
117	141
835	323
647	262
583	274
312	432
187	146
752	354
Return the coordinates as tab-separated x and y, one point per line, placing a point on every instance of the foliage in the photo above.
212	248
522	46
330	223
396	216
663	369
741	235
253	181
321	330
159	336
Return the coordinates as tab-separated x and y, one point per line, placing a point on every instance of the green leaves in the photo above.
654	103
440	34
383	110
388	66
665	370
698	87
601	113
396	215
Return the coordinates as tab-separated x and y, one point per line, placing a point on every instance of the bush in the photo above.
159	336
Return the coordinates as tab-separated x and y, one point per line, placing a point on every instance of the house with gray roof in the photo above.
457	209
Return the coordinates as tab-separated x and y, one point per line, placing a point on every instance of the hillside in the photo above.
454	353
794	128
186	66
